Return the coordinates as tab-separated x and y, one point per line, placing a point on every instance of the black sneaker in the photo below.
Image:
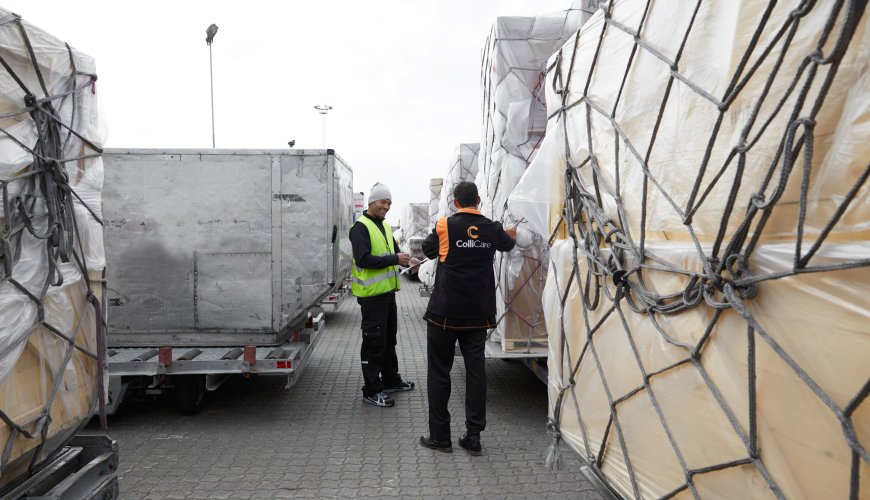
379	399
445	446
400	387
471	443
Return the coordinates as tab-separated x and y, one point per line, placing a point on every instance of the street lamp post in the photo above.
323	109
210	32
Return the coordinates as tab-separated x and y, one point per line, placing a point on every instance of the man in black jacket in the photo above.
375	283
461	308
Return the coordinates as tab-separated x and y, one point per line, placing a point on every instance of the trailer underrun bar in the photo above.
285	359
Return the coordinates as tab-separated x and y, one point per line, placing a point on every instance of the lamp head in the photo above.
210	32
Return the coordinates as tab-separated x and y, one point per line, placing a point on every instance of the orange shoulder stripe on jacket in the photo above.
444	243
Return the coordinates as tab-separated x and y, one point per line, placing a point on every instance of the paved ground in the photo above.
255	439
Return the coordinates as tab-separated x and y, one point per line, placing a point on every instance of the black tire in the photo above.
190	391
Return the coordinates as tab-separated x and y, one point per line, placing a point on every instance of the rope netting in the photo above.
707	298
50	177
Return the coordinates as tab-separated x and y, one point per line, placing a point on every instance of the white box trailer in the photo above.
218	258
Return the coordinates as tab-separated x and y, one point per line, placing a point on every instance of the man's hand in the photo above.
414	262
404	259
512	232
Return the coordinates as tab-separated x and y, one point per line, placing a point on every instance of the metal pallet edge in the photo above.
84	469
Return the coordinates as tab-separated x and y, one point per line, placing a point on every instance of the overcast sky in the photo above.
403	76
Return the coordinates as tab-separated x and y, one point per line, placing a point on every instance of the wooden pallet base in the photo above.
525	346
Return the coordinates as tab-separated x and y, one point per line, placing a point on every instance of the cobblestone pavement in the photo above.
255	439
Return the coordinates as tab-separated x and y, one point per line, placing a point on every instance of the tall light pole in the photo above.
210	32
323	109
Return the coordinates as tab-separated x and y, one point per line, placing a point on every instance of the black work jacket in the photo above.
463	296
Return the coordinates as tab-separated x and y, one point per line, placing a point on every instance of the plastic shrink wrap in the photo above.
514	121
707	297
52	253
463	167
427	272
414	224
435	186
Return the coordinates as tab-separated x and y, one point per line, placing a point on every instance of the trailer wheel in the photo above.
190	390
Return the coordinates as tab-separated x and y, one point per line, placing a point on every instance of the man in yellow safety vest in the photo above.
375	283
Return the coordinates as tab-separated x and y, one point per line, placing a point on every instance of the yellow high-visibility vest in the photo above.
371	282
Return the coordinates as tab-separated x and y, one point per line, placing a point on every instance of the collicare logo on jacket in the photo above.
472	232
472	244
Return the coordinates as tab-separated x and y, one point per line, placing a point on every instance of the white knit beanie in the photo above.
379	192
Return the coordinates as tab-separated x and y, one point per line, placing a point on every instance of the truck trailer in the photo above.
220	260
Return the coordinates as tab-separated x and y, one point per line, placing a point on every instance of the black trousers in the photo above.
440	345
380	365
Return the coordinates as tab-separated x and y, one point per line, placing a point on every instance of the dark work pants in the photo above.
380	366
440	345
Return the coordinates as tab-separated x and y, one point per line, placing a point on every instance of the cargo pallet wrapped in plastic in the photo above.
51	252
414	224
514	121
463	167
435	186
704	185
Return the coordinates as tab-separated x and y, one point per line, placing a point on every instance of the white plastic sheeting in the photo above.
51	175
463	167
414	224
427	272
514	104
435	187
514	121
707	294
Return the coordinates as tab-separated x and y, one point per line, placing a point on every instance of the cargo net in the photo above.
615	264
38	213
521	326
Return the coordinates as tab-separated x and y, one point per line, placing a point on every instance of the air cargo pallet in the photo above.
534	361
87	468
